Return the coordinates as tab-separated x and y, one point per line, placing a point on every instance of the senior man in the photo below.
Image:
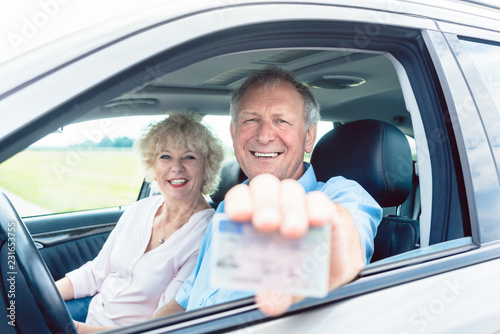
274	120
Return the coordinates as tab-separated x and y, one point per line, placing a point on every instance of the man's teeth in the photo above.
265	155
178	181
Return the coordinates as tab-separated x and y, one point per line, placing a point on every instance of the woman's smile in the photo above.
178	183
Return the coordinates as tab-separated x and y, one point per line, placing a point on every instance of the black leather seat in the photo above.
231	175
377	155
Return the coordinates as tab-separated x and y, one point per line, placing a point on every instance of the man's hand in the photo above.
271	205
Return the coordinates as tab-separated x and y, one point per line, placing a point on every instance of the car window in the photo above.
89	165
219	124
486	60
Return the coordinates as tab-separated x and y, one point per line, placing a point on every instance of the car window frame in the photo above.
489	114
466	118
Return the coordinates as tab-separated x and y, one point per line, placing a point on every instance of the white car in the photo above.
427	73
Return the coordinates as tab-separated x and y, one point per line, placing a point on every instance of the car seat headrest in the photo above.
376	154
231	175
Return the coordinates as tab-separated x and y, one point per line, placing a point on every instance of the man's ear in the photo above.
232	129
310	138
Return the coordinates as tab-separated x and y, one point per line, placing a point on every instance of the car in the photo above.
410	104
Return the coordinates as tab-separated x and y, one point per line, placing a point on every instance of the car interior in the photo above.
360	95
354	88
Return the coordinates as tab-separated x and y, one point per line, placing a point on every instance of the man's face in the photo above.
269	135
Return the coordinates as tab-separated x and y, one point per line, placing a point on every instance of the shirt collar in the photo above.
307	180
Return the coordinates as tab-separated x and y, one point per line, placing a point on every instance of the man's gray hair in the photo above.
274	75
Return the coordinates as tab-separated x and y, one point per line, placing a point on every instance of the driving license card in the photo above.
247	260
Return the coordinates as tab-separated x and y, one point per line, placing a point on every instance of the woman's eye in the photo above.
190	157
164	156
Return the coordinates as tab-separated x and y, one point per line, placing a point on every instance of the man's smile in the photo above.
265	155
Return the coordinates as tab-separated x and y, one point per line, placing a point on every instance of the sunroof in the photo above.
286	57
229	77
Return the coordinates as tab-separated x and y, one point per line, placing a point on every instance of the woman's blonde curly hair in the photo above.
178	131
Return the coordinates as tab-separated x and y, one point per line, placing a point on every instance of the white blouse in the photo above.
130	285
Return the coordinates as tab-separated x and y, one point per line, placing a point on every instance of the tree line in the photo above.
108	142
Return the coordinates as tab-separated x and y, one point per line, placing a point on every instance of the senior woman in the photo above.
155	244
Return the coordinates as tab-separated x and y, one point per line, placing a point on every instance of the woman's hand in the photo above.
65	288
84	328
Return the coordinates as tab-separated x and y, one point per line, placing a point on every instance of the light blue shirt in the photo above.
196	292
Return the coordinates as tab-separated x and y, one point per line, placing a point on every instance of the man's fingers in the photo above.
265	192
238	203
295	220
271	204
319	208
273	302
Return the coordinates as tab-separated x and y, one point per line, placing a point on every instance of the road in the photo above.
24	207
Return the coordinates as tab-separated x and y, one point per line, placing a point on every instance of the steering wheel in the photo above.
26	278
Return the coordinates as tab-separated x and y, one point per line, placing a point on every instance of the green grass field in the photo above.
71	180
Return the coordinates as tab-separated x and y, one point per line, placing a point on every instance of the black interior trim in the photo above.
57	237
73	220
145	190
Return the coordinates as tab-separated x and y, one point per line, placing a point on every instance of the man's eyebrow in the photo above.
247	112
255	113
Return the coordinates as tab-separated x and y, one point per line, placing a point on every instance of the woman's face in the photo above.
179	173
